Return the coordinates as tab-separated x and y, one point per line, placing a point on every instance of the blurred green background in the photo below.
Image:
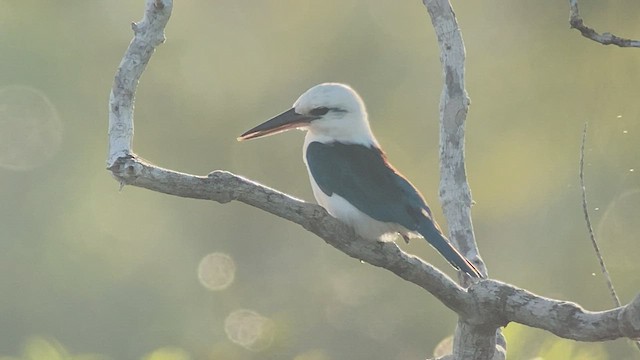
90	272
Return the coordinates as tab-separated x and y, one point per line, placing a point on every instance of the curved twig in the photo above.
576	22
592	235
587	218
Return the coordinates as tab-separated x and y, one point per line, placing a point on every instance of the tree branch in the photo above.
576	22
482	308
149	33
455	194
486	305
223	186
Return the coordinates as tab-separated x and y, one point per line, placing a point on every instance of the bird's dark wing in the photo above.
362	176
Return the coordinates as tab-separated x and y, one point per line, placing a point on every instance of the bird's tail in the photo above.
436	238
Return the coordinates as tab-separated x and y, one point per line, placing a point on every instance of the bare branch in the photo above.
587	218
576	22
486	305
565	319
149	33
455	194
223	186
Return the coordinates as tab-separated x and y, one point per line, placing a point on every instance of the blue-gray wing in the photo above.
362	176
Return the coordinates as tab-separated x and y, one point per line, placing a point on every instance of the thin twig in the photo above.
577	23
587	218
585	208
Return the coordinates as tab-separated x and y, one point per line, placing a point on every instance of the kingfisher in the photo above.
350	175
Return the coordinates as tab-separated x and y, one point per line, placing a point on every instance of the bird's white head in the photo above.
329	112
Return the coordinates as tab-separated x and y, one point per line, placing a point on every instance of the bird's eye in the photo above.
319	111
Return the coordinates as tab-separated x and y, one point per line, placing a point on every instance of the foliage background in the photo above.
87	271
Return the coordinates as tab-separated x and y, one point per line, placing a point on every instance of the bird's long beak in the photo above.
283	122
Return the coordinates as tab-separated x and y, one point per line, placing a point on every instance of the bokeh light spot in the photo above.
249	329
316	354
168	353
444	347
617	231
216	271
30	129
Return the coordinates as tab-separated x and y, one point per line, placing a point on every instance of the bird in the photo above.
350	175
